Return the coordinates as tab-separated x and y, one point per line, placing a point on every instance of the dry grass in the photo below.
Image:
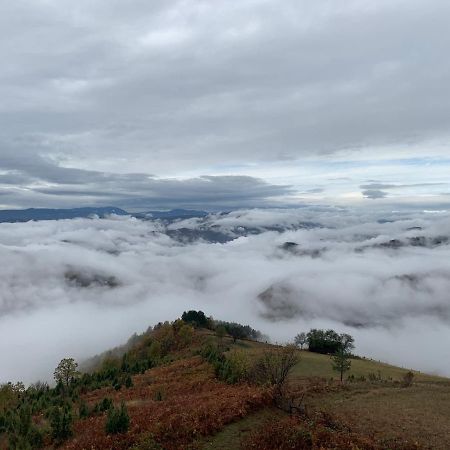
420	413
194	404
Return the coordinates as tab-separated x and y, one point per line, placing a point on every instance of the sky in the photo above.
282	112
222	105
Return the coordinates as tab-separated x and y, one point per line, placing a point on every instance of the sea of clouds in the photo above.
78	287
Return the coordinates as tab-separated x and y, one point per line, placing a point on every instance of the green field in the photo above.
317	365
314	364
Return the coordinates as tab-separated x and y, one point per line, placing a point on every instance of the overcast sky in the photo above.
221	104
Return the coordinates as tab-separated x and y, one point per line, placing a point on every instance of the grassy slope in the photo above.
313	364
316	365
420	413
382	409
195	404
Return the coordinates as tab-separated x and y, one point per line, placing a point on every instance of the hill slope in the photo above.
186	388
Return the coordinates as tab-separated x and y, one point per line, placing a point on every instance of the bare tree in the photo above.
300	340
275	365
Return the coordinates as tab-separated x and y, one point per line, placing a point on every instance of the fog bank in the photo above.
78	287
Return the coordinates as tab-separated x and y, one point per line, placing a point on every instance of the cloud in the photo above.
77	287
374	193
38	182
176	87
375	185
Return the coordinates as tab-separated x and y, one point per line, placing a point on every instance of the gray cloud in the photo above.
167	87
39	181
374	193
379	186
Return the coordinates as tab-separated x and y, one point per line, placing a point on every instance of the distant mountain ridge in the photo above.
172	214
175	222
36	214
25	215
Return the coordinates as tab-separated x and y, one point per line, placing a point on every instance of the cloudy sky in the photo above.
220	104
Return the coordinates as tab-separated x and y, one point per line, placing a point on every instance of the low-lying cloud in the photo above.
77	287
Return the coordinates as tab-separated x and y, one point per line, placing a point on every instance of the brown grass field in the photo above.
381	409
182	405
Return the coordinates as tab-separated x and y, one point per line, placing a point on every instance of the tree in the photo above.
185	335
196	318
341	359
323	341
118	420
61	423
66	372
220	333
275	365
407	379
300	340
236	332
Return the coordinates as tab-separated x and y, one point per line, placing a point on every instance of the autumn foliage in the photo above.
194	404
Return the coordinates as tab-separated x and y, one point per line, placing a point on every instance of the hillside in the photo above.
198	386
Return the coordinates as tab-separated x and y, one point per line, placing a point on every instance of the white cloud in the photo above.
77	287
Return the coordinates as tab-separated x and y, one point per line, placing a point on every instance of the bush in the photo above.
118	420
185	335
128	382
22	433
158	396
231	369
83	410
407	379
61	423
274	366
105	405
374	377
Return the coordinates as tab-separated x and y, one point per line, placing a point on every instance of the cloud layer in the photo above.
79	286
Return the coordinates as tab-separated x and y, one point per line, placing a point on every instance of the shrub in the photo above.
407	379
104	405
231	369
128	382
83	410
158	396
274	366
118	420
22	433
185	335
61	423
